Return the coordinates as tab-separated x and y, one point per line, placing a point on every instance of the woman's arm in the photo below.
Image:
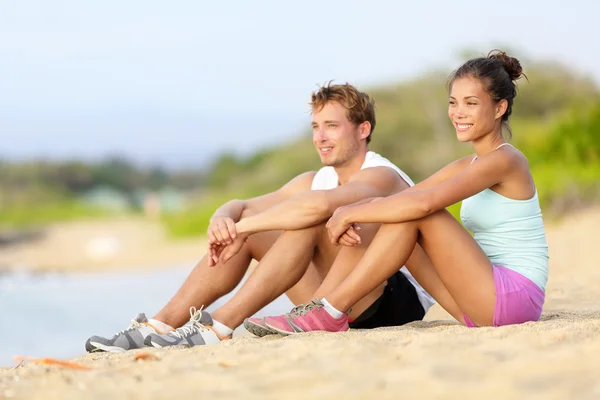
418	202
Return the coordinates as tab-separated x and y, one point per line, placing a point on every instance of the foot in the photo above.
127	339
257	327
198	331
307	318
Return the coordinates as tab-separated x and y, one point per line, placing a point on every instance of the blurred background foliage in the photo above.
555	122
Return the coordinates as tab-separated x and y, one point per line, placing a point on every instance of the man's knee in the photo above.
315	232
367	233
259	243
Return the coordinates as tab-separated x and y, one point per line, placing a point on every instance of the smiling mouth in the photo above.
325	150
463	127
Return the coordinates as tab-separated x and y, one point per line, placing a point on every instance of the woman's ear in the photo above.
501	108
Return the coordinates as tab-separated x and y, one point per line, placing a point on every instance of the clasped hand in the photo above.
223	240
341	230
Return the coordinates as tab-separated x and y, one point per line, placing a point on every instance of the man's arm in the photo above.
297	185
222	227
232	209
222	230
311	207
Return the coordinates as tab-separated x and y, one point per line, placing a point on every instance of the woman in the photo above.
496	277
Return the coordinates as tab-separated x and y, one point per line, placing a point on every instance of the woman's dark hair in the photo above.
498	72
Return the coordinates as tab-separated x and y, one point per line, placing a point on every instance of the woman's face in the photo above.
472	110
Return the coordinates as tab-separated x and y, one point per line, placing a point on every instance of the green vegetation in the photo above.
566	160
556	123
63	210
39	192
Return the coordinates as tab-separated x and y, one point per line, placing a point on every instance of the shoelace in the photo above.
296	310
302	309
134	325
195	326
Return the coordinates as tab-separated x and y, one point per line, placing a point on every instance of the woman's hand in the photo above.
341	230
351	237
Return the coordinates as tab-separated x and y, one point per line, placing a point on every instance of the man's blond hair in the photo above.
360	106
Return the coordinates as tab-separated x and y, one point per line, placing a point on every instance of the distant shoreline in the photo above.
132	243
96	245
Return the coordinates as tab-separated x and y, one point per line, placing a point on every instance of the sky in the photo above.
176	83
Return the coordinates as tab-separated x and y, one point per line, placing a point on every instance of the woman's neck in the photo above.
488	143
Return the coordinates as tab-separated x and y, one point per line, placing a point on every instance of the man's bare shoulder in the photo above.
377	174
385	179
301	182
306	178
296	185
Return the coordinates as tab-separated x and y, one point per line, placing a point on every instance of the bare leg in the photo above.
206	284
424	272
302	291
418	264
279	270
461	265
345	262
203	286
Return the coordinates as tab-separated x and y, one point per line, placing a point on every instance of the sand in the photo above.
102	245
555	358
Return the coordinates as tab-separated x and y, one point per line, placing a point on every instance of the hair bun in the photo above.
510	64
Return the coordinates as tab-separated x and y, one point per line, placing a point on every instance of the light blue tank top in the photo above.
510	232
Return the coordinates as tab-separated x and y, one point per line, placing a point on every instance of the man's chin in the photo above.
327	161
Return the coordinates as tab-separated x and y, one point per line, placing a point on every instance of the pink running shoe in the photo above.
257	327
307	318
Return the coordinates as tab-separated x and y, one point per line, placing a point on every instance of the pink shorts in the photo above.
518	299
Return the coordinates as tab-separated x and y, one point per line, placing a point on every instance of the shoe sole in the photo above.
160	346
95	346
279	331
258	330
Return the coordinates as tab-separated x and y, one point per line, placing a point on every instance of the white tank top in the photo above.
326	179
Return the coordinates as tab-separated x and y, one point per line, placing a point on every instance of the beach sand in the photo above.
102	245
555	358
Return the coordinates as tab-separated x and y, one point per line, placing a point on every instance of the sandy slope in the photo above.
558	357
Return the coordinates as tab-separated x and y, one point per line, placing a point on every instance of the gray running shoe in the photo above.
128	339
257	327
198	331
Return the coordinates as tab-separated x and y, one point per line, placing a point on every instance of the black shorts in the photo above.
398	305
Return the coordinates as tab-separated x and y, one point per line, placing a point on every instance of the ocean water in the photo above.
52	315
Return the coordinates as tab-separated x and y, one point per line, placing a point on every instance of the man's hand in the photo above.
223	253
214	252
232	249
221	231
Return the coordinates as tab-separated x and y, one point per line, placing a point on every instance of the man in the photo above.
285	231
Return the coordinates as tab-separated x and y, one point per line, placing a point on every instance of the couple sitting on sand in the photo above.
359	245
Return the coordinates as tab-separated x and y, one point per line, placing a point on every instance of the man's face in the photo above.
336	139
